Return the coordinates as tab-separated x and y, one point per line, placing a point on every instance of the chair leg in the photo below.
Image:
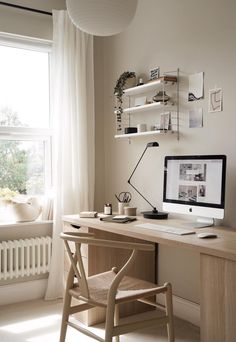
110	312
116	321
65	316
169	313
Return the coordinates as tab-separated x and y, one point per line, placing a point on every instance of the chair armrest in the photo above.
107	243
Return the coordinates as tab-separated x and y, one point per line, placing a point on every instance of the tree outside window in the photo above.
25	133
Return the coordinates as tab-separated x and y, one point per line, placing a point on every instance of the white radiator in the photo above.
20	258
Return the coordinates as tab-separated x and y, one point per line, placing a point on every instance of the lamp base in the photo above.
158	215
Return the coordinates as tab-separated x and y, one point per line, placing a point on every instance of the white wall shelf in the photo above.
152	85
166	111
143	134
149	106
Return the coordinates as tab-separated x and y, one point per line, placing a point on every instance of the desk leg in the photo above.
156	263
218	299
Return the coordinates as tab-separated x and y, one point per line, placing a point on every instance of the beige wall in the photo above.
193	36
27	23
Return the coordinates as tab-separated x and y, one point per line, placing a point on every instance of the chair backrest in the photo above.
77	262
78	267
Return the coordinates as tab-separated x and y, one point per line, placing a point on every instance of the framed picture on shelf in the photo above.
165	121
140	101
154	74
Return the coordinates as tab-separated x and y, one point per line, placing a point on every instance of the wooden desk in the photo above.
217	275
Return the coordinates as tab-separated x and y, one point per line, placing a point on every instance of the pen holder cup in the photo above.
130	211
121	206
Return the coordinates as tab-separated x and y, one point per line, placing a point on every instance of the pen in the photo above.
117	198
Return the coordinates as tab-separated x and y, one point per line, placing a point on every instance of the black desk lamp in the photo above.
154	214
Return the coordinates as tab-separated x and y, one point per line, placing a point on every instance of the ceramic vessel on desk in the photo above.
121	206
130	211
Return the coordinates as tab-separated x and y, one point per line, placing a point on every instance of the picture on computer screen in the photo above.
192	172
188	193
202	191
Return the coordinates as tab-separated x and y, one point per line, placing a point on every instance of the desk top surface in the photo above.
223	246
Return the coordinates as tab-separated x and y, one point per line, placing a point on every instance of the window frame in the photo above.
45	135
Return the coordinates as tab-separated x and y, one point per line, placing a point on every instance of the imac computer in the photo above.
195	185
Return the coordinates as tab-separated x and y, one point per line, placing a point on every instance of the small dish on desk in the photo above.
206	235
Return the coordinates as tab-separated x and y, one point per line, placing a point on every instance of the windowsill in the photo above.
26	223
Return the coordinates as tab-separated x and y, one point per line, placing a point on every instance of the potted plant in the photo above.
121	84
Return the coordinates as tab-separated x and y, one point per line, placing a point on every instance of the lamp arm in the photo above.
137	164
154	209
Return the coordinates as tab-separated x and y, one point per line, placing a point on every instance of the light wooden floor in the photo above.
39	321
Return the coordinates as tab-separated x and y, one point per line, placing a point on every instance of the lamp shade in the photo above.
101	17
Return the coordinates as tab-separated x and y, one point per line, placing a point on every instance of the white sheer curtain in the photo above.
73	120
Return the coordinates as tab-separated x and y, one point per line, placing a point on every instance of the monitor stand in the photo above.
201	222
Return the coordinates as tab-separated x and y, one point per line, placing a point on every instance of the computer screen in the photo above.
195	185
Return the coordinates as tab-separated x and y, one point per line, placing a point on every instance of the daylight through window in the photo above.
25	129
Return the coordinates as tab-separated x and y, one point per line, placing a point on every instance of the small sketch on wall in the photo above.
196	118
195	87
215	100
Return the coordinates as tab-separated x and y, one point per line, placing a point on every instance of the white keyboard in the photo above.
166	229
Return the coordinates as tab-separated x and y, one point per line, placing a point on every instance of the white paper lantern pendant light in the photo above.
101	17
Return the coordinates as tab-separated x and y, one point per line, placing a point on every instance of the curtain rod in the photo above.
25	8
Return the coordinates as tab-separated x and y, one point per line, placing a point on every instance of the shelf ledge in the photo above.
149	106
142	134
148	86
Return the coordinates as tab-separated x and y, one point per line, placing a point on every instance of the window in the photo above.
25	126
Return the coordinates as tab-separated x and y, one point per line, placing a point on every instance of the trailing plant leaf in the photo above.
120	84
